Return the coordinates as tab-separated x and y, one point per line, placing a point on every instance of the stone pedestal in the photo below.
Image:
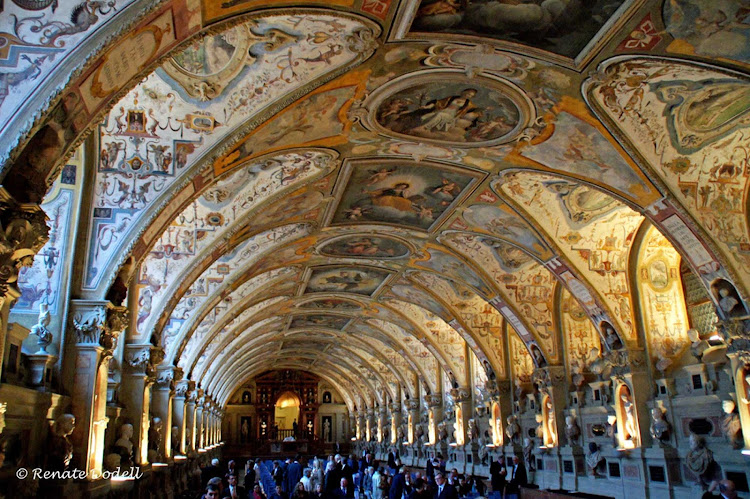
662	470
39	365
549	476
573	466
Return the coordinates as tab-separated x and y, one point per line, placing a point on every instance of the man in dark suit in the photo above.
234	491
345	471
397	486
517	479
293	475
277	473
444	489
497	475
342	492
394	462
210	472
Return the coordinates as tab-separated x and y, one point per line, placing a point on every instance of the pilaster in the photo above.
135	392
96	326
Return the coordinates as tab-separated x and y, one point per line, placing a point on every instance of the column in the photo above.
97	325
552	384
396	425
381	415
161	406
361	426
434	416
199	421
190	419
179	412
209	414
135	393
464	410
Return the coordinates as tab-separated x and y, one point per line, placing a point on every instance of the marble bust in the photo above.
730	424
60	449
594	458
659	427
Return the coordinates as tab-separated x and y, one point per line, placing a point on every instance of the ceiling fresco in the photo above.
404	196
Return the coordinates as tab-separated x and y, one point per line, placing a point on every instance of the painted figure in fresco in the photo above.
363	246
443	114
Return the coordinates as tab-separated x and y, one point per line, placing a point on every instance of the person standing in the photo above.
293	475
444	489
497	476
377	491
398	485
517	479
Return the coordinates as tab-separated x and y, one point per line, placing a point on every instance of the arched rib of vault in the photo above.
398	323
227	307
222	381
397	319
231	356
237	336
219	335
225	382
503	261
347	360
365	351
463	298
219	213
340	384
645	112
428	364
240	321
531	304
443	338
214	345
597	249
377	339
201	288
192	288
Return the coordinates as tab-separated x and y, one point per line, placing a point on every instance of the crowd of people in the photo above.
341	477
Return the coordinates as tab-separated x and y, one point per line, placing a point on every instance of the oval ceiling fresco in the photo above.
365	246
448	107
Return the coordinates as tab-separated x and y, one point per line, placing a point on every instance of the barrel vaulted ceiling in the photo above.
402	197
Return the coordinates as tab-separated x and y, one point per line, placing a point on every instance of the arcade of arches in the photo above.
478	228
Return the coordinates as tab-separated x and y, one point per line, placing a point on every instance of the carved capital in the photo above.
547	377
183	388
412	405
460	395
165	377
98	322
23	232
434	400
736	334
138	359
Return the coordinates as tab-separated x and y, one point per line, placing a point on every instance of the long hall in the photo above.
510	233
